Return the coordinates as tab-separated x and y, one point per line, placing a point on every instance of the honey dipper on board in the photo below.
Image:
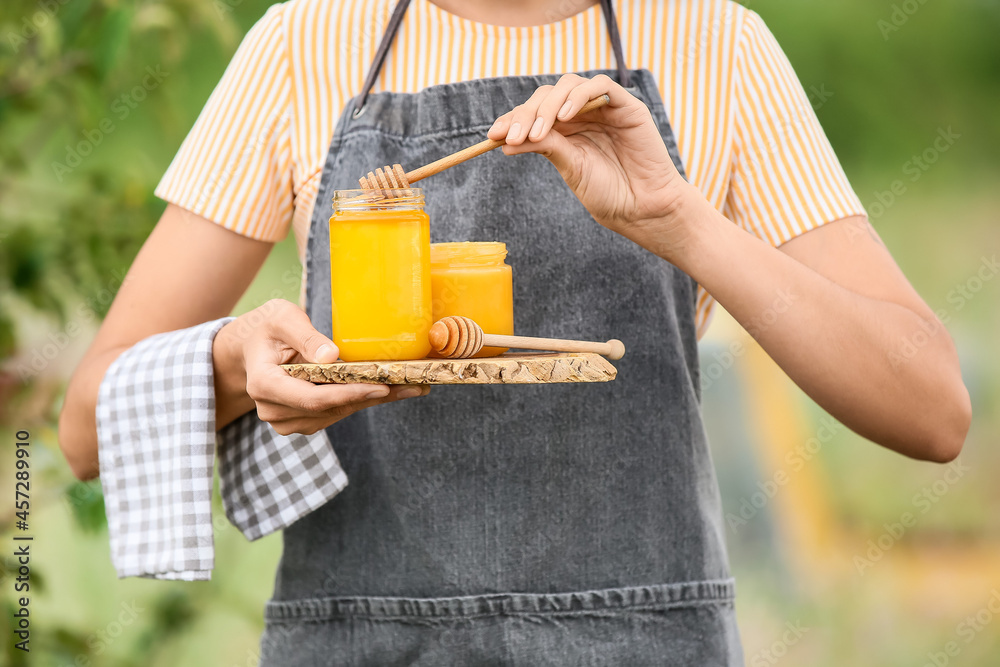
456	337
394	178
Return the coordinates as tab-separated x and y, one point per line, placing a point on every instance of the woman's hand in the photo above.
853	313
166	290
613	158
247	354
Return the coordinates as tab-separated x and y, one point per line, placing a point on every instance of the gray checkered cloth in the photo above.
156	444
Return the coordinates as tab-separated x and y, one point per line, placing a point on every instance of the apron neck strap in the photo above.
397	18
380	53
616	42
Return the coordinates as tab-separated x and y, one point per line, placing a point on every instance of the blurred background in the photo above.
845	554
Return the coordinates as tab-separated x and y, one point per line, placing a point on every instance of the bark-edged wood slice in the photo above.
509	368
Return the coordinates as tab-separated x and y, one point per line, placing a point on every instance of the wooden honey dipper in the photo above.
394	178
457	337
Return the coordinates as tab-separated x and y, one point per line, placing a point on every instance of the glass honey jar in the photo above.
473	280
380	276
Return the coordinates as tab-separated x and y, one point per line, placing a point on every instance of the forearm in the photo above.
78	421
231	398
849	352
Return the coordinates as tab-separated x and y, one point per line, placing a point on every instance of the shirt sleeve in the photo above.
786	179
234	167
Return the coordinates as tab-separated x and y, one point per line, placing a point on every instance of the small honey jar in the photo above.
473	280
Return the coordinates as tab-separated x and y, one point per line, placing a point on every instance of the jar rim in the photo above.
374	200
481	253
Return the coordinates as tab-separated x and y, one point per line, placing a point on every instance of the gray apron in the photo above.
515	525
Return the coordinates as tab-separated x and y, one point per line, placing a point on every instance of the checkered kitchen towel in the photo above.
156	444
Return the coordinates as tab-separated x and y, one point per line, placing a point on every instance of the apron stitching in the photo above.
648	99
678	595
406	138
429	619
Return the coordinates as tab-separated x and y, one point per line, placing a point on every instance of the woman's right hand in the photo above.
190	271
247	354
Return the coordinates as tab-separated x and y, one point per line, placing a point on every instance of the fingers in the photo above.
553	104
500	127
279	414
286	421
560	152
291	326
588	89
518	121
533	120
268	383
280	332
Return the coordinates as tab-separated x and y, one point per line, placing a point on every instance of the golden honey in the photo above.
380	277
473	280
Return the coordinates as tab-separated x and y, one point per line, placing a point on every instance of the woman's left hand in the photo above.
613	158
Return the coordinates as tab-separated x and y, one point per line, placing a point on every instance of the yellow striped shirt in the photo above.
746	129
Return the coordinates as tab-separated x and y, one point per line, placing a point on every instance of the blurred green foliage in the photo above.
893	88
86	131
85	134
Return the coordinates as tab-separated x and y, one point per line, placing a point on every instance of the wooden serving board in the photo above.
508	368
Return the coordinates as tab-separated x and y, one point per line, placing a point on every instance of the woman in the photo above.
495	525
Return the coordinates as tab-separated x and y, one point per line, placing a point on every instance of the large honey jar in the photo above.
380	276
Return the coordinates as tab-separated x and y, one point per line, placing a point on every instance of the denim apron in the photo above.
515	525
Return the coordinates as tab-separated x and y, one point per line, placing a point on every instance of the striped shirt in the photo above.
746	129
